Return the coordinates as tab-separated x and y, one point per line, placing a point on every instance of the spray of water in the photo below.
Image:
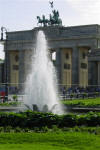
41	83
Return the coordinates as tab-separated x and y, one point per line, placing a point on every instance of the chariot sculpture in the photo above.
53	18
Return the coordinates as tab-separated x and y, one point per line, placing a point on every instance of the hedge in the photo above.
32	120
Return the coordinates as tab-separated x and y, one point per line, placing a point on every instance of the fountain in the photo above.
41	84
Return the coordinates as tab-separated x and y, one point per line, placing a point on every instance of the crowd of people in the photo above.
77	92
64	91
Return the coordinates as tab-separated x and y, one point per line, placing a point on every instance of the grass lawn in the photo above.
93	102
49	141
31	147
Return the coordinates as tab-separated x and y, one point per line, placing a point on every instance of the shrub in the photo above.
18	129
44	121
45	129
1	129
15	97
69	120
8	129
36	129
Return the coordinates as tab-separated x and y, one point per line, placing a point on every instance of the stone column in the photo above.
8	66
94	73
90	73
21	69
75	66
99	73
59	64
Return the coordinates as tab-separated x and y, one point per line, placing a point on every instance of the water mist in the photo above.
41	84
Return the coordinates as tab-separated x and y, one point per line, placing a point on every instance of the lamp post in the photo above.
3	29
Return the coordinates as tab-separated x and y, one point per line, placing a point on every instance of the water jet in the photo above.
41	83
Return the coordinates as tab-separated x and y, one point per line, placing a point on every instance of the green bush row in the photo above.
32	120
9	129
95	102
13	103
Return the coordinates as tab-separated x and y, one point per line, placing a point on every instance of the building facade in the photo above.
75	66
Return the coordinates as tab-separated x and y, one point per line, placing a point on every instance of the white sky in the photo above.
21	14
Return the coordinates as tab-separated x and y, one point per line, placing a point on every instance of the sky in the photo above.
18	15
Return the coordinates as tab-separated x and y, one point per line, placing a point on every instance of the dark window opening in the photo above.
15	67
67	56
83	55
16	58
66	66
83	65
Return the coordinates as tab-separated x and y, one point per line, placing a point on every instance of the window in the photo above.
15	67
16	58
67	56
66	66
83	65
84	55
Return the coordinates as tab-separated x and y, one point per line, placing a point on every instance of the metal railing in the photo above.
64	91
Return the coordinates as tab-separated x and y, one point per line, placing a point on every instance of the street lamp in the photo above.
3	29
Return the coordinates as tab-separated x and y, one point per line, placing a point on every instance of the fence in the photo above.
64	91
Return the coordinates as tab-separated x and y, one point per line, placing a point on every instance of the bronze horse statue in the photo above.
43	21
55	20
39	20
